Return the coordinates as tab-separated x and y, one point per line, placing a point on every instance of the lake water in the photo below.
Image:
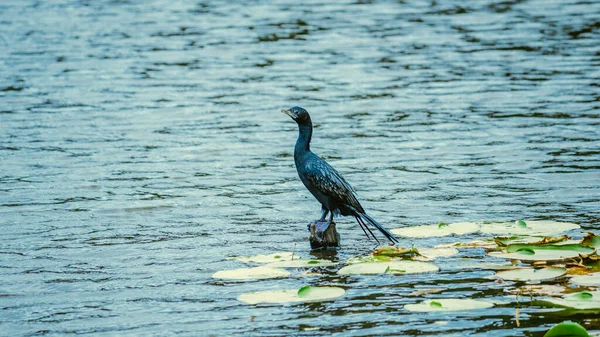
141	144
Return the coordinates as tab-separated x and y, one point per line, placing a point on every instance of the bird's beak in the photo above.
289	113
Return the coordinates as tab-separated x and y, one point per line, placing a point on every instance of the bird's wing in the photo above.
325	178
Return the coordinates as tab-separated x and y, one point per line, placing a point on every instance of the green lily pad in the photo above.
268	258
424	231
251	273
567	329
392	267
304	294
581	301
448	304
531	274
528	252
539	228
301	263
591	280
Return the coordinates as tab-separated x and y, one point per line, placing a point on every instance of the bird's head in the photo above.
298	114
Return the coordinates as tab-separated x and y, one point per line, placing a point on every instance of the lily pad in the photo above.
567	329
591	240
268	258
392	251
424	231
581	301
369	259
539	228
531	274
448	304
301	263
470	244
527	252
251	273
304	294
591	280
392	267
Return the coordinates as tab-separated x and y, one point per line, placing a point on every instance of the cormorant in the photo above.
324	182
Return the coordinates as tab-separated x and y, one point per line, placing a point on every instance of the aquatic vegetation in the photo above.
585	300
530	252
567	329
392	267
303	294
532	228
531	274
591	280
441	229
518	228
535	270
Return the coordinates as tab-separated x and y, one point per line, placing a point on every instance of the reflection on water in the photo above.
141	144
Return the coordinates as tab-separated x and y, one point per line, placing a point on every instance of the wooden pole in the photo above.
323	235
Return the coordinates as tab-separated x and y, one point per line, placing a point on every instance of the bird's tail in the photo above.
377	225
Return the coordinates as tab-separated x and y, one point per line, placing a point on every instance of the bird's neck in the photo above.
303	142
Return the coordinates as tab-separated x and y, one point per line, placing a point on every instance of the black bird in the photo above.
324	182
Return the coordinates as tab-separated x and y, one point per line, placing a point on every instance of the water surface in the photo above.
141	144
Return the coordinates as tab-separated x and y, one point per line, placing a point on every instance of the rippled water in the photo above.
142	144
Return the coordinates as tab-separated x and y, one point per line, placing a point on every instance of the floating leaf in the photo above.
584	295
368	259
541	228
567	329
521	223
392	251
527	252
587	280
268	258
457	228
304	294
301	263
505	241
591	240
470	244
580	301
531	274
251	273
449	304
392	267
535	247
